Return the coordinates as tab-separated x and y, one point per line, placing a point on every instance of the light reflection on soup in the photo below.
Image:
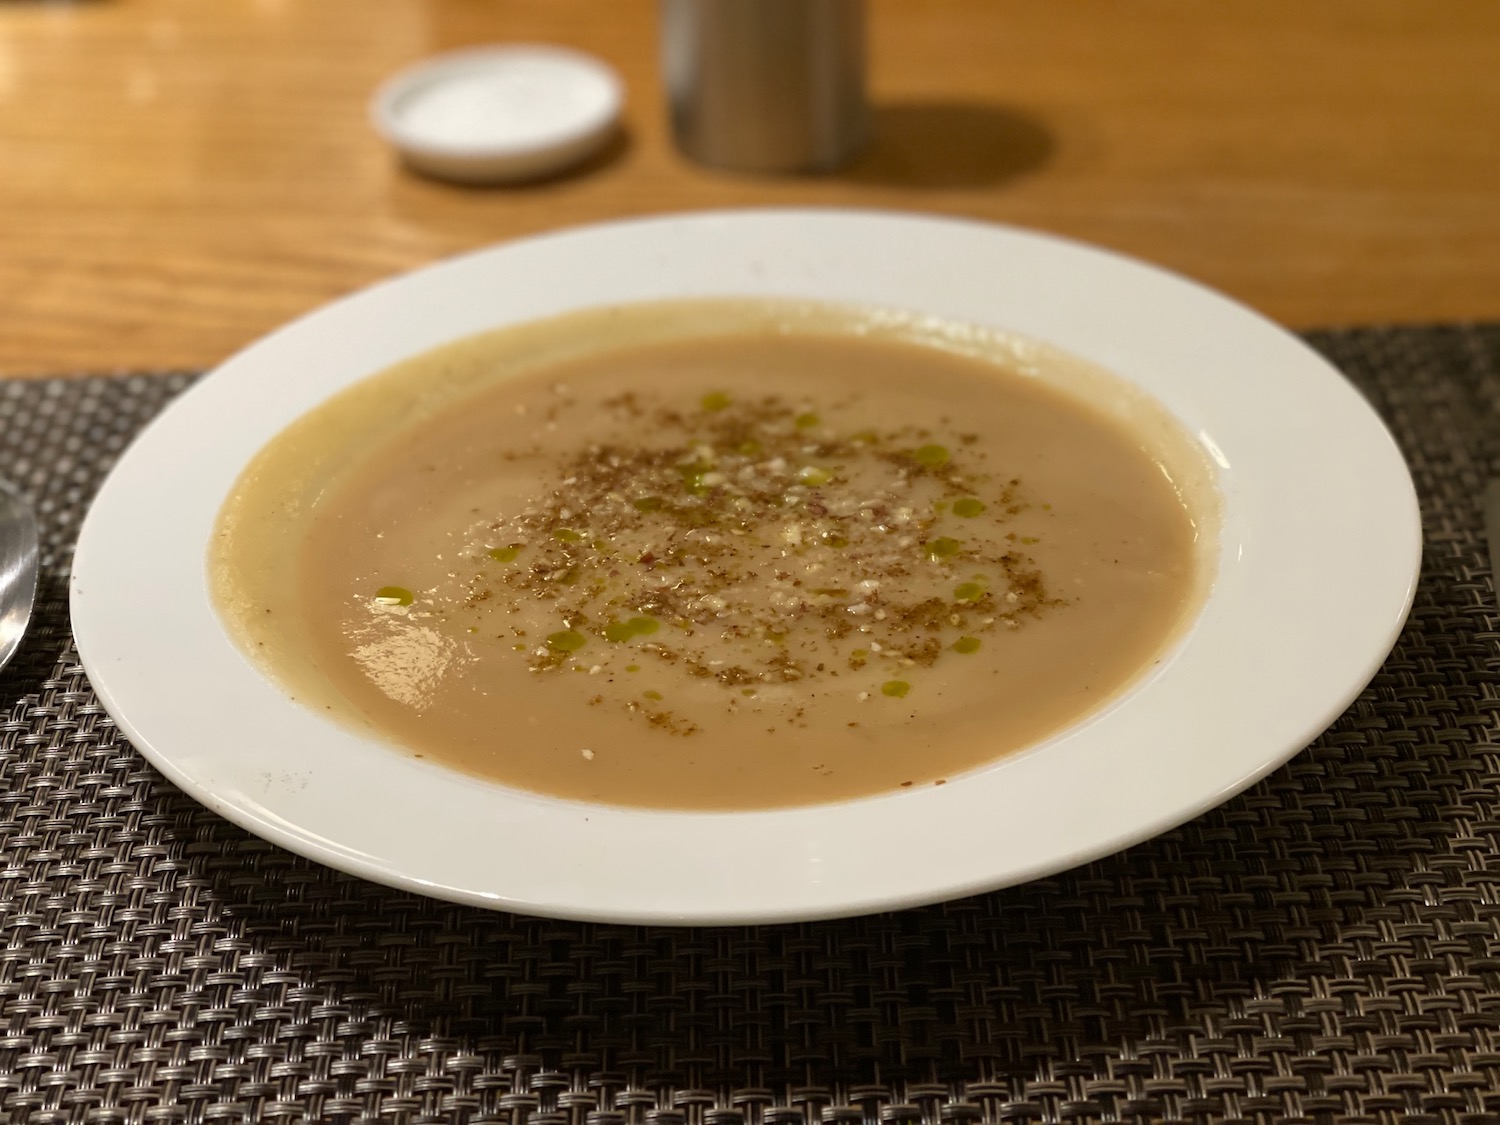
720	555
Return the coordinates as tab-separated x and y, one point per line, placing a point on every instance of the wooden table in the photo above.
178	177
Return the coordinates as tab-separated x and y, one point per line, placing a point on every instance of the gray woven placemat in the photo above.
1324	947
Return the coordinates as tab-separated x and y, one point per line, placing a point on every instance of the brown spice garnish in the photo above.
737	526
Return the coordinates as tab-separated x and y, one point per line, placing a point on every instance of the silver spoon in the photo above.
18	566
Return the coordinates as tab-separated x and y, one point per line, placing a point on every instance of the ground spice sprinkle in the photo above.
751	525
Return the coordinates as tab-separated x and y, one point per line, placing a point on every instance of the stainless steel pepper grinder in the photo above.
766	85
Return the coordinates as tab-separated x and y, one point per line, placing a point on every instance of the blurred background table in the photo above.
179	177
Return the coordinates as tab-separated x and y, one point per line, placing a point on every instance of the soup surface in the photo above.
721	555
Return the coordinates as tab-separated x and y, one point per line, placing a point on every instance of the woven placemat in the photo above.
1324	947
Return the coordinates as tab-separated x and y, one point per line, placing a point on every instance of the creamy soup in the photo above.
719	555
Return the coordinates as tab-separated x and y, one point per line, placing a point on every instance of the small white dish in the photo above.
499	114
1318	557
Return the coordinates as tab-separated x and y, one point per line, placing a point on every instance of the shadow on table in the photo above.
1209	934
934	145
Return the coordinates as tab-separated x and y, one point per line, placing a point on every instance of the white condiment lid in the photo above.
497	114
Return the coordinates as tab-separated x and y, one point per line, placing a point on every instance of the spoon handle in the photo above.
19	551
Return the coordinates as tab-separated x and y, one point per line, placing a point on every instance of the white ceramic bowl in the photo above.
1318	559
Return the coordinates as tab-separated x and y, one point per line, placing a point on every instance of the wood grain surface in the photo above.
177	177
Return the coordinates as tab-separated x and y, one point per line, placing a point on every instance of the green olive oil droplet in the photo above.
632	667
648	504
806	421
394	595
716	400
943	548
505	554
569	640
814	476
932	456
621	631
968	507
567	535
652	694
966	645
896	689
968	592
